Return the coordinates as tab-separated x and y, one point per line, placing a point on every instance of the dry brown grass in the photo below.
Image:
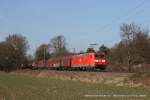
92	77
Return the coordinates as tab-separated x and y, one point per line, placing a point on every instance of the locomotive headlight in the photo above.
103	61
96	60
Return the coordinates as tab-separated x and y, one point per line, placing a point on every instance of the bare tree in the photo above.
117	56
18	42
20	45
58	45
7	55
136	41
42	52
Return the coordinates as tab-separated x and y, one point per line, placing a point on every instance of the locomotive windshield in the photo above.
99	56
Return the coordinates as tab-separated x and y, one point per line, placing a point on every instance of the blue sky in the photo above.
82	22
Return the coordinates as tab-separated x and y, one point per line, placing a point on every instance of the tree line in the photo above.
13	52
130	54
56	47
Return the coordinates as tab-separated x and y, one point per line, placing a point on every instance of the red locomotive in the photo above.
79	61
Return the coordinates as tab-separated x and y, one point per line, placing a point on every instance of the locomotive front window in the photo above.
99	56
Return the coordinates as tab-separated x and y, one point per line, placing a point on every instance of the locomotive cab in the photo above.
100	61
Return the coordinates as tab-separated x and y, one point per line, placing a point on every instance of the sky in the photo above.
82	22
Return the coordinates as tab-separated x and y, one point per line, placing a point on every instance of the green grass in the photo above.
13	87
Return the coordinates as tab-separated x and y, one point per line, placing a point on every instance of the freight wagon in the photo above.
85	61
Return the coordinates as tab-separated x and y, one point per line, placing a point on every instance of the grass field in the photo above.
13	87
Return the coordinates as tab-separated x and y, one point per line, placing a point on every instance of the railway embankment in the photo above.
113	78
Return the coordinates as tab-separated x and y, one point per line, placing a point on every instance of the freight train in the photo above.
87	61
